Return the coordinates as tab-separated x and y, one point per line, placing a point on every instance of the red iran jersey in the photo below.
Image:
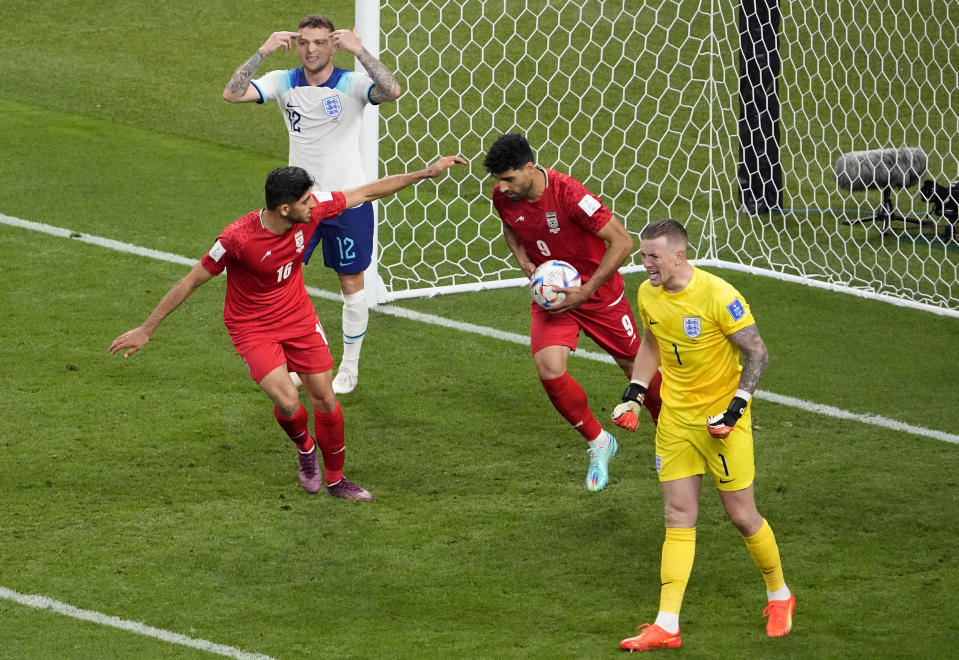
562	224
264	283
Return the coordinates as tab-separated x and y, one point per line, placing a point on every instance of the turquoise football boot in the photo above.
598	475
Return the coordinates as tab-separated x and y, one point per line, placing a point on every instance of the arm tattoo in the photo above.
755	356
240	81
383	81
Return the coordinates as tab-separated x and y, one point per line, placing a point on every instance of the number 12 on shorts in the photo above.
345	247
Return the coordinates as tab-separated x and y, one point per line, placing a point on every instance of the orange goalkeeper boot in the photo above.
780	616
651	637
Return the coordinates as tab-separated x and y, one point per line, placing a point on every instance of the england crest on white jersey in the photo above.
332	106
326	120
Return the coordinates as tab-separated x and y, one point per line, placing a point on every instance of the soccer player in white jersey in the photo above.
322	106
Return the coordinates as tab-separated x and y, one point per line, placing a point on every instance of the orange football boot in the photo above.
780	616
651	637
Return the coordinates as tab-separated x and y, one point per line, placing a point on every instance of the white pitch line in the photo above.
873	420
96	240
462	326
392	310
792	402
44	603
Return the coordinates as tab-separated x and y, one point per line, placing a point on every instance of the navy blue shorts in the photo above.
347	240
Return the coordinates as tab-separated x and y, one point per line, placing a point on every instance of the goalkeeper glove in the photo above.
625	414
721	425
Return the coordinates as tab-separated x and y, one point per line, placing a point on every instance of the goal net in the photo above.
639	100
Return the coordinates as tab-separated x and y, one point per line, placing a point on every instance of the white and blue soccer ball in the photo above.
549	274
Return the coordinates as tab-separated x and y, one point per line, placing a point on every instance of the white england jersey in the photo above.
323	122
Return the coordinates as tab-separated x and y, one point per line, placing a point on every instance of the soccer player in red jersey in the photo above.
270	317
550	215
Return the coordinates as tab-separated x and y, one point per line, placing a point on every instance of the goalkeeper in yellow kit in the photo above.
695	327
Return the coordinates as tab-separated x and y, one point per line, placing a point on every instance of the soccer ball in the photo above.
549	274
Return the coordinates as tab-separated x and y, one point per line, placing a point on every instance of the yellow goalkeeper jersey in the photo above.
700	365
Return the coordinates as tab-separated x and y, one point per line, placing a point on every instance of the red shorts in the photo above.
262	353
610	325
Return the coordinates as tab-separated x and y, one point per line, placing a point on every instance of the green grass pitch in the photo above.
159	489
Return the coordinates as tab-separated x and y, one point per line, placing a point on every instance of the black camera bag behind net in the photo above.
944	201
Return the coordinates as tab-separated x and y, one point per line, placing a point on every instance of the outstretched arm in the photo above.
391	184
238	90
385	87
135	339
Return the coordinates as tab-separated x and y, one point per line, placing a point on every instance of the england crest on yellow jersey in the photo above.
692	326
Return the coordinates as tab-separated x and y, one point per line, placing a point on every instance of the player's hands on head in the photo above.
626	414
278	40
133	340
444	163
721	425
348	40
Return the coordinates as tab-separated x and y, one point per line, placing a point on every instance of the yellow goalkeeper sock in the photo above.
679	550
765	552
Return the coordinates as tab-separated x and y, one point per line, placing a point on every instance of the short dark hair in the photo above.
509	152
316	21
667	227
286	185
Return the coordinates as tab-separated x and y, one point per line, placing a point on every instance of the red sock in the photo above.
329	436
653	401
297	427
569	399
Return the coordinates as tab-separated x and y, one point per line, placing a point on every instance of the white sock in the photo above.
668	621
782	593
356	318
601	441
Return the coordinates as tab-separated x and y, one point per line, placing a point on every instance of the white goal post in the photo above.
641	101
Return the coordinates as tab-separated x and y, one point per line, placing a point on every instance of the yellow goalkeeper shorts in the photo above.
684	451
